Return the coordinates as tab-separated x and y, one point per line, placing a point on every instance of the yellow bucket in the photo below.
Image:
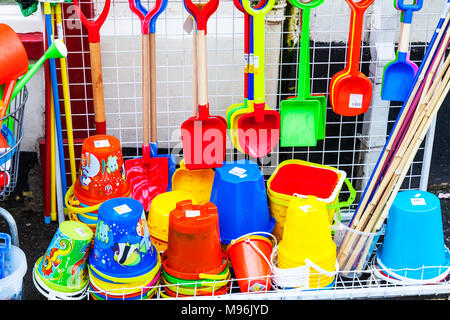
158	216
198	183
307	230
287	175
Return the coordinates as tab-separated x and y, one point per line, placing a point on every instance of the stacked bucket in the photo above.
307	242
194	264
239	192
298	178
158	216
123	263
61	272
101	177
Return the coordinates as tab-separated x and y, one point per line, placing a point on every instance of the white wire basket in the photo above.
12	132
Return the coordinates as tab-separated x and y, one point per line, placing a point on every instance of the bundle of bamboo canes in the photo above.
418	112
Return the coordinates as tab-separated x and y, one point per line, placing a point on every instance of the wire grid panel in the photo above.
371	283
352	144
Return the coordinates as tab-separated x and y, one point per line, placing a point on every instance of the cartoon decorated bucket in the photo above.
239	192
158	217
63	266
122	246
102	173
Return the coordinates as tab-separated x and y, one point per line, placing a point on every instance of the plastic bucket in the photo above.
197	183
353	261
302	275
247	258
301	178
15	269
413	245
63	266
307	232
102	172
239	192
158	217
194	239
122	246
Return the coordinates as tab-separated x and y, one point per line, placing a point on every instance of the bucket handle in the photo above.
350	199
302	271
69	206
12	226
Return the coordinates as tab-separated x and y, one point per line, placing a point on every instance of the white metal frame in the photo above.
357	140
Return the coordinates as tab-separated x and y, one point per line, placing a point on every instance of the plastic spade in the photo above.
399	74
351	90
148	175
197	130
259	130
235	112
303	117
93	28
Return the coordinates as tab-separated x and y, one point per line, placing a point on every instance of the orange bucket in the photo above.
194	239
102	172
250	267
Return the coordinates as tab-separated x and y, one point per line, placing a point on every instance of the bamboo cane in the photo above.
400	173
369	212
371	186
358	224
439	97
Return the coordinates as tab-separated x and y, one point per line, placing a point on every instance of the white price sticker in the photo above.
418	202
239	172
101	143
355	101
192	213
122	209
81	232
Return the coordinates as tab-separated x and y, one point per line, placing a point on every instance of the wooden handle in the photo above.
202	69
194	74
97	87
145	92
153	135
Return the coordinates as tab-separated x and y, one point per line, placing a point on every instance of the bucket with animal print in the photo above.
122	246
102	173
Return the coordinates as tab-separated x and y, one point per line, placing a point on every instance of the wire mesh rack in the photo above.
12	134
352	144
371	283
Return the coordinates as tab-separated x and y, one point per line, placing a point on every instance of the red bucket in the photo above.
102	172
194	239
250	266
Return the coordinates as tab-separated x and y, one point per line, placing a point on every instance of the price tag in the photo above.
192	213
239	172
81	232
101	143
418	202
122	209
355	101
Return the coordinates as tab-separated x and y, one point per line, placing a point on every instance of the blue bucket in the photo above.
239	192
122	246
413	246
